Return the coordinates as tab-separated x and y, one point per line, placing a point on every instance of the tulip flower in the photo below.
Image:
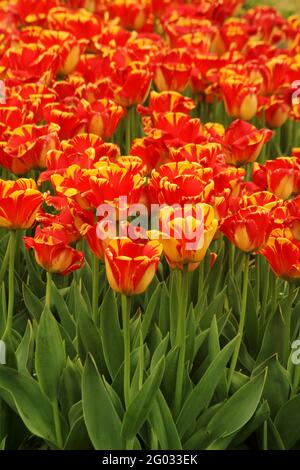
248	229
181	183
27	147
243	142
173	70
240	97
130	265
164	102
280	176
276	111
52	254
20	203
188	235
283	255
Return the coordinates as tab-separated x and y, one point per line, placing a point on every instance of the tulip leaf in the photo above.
277	386
150	311
33	304
78	438
261	414
287	422
62	309
50	357
140	407
32	405
101	419
24	352
89	340
111	333
200	397
163	424
238	409
214	308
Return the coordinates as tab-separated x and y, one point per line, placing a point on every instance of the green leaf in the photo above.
62	309
33	304
277	386
214	308
163	424
89	340
272	342
24	352
159	352
101	419
261	414
238	409
32	405
50	358
78	438
287	422
140	407
201	395
111	333
150	311
69	387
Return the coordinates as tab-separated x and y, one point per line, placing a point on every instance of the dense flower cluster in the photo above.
170	85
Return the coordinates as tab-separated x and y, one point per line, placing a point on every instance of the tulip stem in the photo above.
126	334
181	337
48	290
95	298
242	320
11	283
5	262
128	135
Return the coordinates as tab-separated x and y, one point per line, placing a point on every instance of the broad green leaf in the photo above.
69	391
24	352
102	421
287	422
89	340
50	358
238	409
62	309
150	311
261	414
78	438
201	395
140	407
159	352
277	386
163	424
215	308
32	405
33	303
111	333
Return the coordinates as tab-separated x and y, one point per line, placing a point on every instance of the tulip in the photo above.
20	203
276	111
240	97
27	147
173	70
52	254
248	228
283	255
280	176
188	235
164	102
243	142
181	183
131	266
